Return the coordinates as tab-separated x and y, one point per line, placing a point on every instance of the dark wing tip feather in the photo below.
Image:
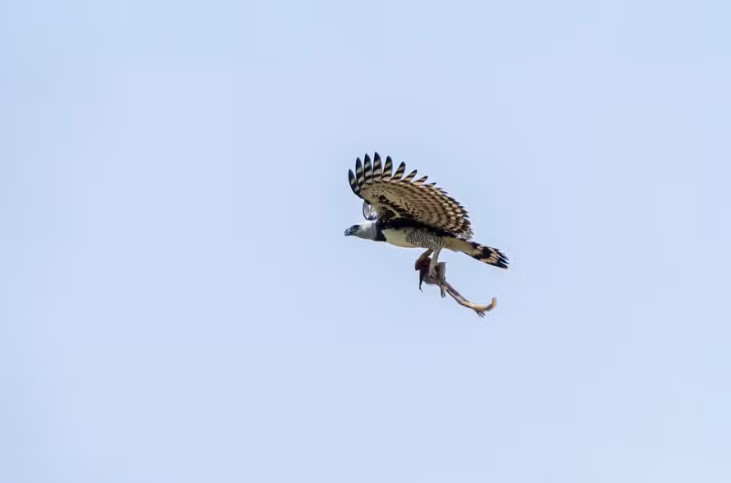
377	169
400	171
409	176
359	171
353	182
387	169
368	169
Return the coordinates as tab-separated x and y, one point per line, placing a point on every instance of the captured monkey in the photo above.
422	266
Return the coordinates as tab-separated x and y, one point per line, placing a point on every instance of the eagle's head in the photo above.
365	230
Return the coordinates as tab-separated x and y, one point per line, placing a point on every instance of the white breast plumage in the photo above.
398	237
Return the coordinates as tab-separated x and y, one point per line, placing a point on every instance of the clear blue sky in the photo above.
178	302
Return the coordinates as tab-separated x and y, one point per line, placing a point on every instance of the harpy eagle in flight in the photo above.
411	213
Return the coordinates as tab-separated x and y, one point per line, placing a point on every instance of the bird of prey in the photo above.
411	213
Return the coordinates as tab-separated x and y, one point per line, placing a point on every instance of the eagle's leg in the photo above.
442	278
433	265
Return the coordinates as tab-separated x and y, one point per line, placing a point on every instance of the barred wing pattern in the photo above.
398	198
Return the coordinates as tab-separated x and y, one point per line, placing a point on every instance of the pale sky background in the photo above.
178	302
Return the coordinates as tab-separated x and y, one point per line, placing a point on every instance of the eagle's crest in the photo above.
397	198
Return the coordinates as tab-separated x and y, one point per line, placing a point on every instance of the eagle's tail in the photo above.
489	255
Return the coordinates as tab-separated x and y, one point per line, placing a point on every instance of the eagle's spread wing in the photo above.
398	198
